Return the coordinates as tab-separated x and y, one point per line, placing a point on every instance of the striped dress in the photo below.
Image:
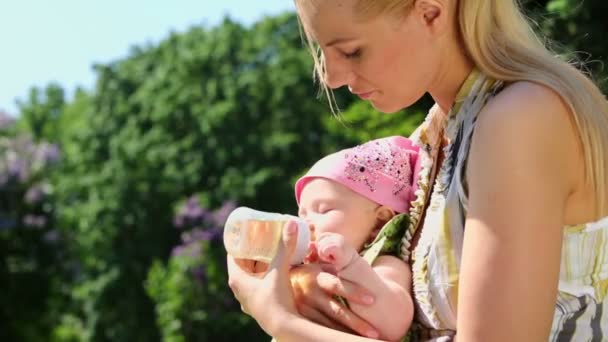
581	309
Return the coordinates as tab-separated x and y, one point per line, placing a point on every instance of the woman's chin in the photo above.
385	108
391	107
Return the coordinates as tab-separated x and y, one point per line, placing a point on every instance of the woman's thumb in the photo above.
285	253
290	237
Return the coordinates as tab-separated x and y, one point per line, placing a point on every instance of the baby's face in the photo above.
331	207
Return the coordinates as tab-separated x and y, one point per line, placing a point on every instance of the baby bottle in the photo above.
256	235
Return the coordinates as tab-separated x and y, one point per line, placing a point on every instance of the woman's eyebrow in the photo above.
338	41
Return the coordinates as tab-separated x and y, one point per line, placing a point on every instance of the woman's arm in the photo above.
267	297
299	329
521	170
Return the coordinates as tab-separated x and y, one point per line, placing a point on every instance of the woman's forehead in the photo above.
328	20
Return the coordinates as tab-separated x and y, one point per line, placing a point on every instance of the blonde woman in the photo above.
509	233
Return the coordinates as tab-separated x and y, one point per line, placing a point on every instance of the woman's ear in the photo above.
433	13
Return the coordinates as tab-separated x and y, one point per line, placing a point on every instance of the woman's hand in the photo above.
314	286
265	295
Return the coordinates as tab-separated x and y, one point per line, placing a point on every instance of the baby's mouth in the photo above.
313	236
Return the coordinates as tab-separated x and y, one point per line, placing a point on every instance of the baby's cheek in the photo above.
327	225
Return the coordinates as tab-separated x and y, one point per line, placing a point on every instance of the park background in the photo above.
113	197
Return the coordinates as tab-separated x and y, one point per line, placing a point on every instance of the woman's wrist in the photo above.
278	325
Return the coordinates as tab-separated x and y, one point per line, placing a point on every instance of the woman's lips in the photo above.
365	95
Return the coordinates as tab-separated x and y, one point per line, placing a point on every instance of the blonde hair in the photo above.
500	41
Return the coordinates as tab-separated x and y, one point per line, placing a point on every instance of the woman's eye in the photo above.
351	55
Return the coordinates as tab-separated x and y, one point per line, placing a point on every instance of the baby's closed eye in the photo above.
324	209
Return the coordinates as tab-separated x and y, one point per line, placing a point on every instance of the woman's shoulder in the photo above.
531	113
528	126
527	103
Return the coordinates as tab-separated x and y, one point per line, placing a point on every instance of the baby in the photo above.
356	202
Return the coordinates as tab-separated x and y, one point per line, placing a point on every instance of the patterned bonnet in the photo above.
382	170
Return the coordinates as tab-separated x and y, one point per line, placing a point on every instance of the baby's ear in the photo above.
384	213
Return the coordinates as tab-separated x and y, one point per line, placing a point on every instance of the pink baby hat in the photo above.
383	170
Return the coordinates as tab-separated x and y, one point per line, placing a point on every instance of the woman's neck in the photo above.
449	79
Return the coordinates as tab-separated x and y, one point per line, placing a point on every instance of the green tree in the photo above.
229	112
41	111
575	30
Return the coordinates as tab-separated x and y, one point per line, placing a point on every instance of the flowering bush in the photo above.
30	249
193	301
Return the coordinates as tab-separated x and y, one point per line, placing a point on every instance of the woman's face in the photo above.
387	60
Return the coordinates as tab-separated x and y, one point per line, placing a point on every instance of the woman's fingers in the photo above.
313	290
315	316
338	312
237	269
241	266
343	288
342	315
264	293
244	264
241	277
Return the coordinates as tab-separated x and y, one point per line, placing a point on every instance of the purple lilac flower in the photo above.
178	221
191	249
190	236
190	214
51	236
36	193
219	216
6	121
20	157
193	210
194	249
47	153
214	234
34	221
18	169
198	235
24	145
200	273
177	251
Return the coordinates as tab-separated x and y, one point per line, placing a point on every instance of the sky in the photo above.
43	41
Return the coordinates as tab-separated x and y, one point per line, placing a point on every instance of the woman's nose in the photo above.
337	73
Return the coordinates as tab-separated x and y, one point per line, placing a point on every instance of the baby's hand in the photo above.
332	249
312	256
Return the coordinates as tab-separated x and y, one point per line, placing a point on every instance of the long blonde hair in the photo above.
500	41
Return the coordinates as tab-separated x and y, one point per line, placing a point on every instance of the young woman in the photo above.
509	228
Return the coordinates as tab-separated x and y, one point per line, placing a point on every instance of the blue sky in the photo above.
59	40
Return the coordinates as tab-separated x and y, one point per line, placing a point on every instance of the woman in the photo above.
510	232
